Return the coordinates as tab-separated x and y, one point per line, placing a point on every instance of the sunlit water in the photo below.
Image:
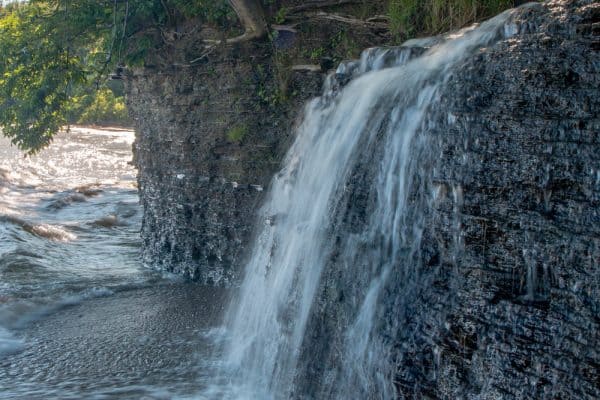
68	223
80	316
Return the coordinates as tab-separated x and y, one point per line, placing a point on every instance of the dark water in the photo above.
80	316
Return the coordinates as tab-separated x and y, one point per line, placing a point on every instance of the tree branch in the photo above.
374	24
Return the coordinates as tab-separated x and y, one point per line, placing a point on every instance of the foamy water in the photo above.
69	223
80	316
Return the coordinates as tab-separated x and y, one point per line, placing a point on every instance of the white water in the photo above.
53	251
267	324
80	315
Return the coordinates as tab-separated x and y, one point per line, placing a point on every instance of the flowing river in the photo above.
80	316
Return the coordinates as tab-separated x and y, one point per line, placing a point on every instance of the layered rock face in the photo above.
207	147
212	127
503	298
519	141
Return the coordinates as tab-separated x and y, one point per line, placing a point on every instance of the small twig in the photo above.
190	32
352	21
162	2
195	60
123	33
110	50
246	37
204	55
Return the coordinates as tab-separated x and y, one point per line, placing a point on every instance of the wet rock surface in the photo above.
503	301
519	147
211	133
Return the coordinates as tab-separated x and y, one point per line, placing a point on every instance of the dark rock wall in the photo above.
207	146
520	135
507	297
504	301
211	133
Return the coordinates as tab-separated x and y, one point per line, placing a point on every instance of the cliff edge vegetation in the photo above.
56	53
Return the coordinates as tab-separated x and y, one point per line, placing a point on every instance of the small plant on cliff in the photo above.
237	133
426	17
272	82
281	15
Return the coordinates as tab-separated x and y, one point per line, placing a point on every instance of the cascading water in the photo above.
383	109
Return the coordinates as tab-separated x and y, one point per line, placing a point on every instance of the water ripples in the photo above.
69	223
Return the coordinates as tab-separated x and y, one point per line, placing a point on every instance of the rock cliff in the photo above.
207	146
519	138
213	125
504	299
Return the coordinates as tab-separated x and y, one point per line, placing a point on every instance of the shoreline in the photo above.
109	128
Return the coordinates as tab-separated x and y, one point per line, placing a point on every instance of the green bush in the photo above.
411	18
104	109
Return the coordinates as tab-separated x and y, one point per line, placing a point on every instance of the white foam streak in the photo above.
53	232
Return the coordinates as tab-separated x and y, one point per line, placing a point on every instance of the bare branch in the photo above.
371	23
252	17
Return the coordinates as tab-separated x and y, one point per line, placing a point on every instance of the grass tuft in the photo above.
237	133
410	18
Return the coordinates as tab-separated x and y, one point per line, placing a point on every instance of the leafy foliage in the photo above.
103	107
35	74
55	50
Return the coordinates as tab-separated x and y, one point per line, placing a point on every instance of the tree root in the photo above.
252	18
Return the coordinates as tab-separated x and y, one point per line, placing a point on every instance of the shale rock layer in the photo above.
520	144
506	296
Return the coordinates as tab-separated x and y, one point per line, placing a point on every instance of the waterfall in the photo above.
378	104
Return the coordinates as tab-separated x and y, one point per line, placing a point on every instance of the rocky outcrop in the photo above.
519	139
212	127
504	298
208	143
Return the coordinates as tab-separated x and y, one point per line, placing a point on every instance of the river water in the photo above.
80	316
68	222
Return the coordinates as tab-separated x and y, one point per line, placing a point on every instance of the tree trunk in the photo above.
252	18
